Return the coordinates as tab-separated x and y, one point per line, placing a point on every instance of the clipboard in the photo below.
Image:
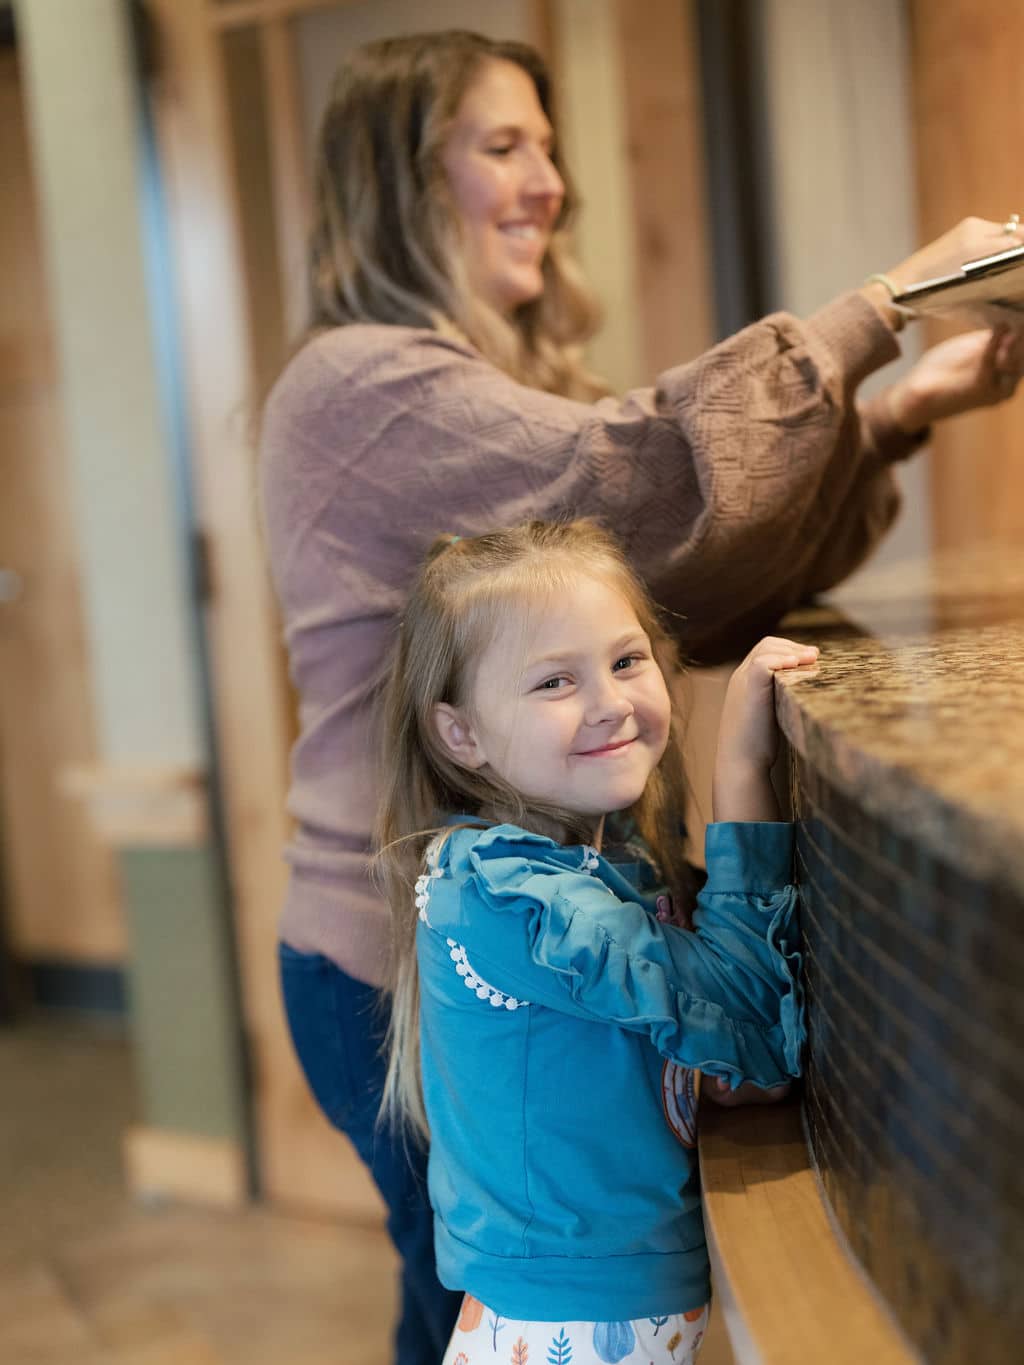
996	280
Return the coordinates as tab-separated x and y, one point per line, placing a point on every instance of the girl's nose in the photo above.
608	706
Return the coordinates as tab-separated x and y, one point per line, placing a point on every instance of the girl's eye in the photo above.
502	149
627	661
553	684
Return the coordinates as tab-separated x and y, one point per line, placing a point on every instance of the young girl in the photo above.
547	1025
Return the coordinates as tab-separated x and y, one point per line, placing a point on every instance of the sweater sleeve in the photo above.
850	539
727	480
725	997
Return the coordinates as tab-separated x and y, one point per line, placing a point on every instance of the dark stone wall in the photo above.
915	1081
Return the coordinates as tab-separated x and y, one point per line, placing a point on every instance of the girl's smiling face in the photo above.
567	703
506	189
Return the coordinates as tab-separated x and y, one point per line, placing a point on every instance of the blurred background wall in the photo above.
734	156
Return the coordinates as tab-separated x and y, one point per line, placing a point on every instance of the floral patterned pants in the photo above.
481	1337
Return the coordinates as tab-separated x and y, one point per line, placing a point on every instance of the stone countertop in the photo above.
916	707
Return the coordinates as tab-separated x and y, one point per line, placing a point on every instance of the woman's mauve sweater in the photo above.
741	483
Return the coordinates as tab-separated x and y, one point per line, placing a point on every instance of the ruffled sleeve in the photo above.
725	997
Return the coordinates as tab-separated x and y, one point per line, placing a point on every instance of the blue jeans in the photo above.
337	1026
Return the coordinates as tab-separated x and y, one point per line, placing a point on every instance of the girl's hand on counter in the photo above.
973	370
748	738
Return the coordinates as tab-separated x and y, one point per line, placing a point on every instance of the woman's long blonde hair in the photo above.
464	590
385	242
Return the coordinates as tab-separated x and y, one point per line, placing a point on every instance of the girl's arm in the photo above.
725	998
747	749
748	737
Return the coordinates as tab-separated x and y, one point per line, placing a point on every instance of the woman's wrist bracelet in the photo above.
900	314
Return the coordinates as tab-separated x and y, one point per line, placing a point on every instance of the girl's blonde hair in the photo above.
385	244
465	589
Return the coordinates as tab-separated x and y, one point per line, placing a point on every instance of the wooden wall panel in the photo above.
631	113
290	171
62	891
969	129
664	148
242	68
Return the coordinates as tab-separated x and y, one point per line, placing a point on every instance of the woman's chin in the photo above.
516	290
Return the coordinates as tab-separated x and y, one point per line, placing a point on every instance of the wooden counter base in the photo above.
789	1291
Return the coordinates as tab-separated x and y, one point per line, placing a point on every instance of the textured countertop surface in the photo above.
916	708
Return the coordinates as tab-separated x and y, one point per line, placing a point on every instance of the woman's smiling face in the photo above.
506	189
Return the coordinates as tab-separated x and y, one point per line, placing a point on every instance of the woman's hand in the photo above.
971	238
973	370
748	738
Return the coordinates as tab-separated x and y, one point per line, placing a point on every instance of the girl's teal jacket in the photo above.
560	1026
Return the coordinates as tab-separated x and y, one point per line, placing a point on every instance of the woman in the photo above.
442	390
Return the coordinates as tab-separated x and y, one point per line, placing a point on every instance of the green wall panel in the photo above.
183	993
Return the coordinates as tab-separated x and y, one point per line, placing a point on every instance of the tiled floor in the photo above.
89	1278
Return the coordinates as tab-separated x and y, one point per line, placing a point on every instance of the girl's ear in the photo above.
456	734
